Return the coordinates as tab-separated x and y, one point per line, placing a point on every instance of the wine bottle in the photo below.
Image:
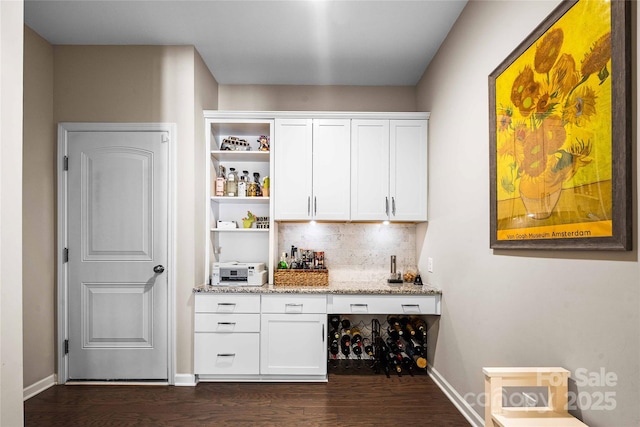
221	182
420	327
406	363
334	321
334	346
345	345
356	342
405	322
346	325
416	352
383	357
368	348
394	324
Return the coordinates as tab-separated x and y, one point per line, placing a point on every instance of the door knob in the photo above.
158	269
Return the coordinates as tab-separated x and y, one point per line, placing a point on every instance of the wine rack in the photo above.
391	345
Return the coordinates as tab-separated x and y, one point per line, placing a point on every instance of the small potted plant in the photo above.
249	220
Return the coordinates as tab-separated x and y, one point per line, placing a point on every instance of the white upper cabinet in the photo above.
292	181
389	170
331	164
370	170
312	161
408	170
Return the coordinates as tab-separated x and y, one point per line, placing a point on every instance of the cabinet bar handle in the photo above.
292	308
359	308
412	308
386	206
393	206
226	355
226	323
309	206
315	206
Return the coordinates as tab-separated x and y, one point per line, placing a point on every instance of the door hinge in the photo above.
165	137
66	346
65	163
65	255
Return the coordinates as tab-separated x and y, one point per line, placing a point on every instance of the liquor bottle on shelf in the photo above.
221	182
232	183
294	258
282	265
356	342
243	183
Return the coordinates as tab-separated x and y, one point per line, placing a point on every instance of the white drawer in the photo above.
294	304
384	304
229	303
227	353
214	322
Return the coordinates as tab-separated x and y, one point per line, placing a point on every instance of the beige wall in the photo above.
514	308
317	98
39	207
11	79
147	84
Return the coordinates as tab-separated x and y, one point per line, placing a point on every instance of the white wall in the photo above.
11	42
578	310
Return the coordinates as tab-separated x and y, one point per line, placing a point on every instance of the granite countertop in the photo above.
342	288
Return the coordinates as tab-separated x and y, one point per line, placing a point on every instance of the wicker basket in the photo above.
301	278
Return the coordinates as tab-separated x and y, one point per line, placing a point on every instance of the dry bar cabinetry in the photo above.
281	336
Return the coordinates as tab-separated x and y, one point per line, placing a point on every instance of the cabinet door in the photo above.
331	169
408	170
370	170
293	169
293	344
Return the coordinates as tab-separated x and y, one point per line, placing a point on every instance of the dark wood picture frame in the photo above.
621	144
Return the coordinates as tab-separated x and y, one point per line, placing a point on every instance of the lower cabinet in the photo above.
227	354
293	344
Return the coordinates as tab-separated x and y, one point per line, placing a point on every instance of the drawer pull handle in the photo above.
292	308
226	355
411	308
359	308
226	326
226	307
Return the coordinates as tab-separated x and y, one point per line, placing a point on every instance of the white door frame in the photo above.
62	208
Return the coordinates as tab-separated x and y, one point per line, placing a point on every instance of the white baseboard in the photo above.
462	405
39	386
185	380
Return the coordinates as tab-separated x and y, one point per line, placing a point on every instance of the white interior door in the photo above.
117	235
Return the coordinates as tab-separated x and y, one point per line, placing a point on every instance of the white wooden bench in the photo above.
555	414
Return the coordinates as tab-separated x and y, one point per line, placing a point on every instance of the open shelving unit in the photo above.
239	244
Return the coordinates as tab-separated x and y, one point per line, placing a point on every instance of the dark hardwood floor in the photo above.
346	400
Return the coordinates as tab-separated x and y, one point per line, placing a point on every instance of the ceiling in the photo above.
298	42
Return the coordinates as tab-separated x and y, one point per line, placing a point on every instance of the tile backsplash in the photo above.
354	252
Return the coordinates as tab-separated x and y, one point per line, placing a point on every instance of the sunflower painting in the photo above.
552	130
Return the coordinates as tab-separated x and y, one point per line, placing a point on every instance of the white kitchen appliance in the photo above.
238	274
